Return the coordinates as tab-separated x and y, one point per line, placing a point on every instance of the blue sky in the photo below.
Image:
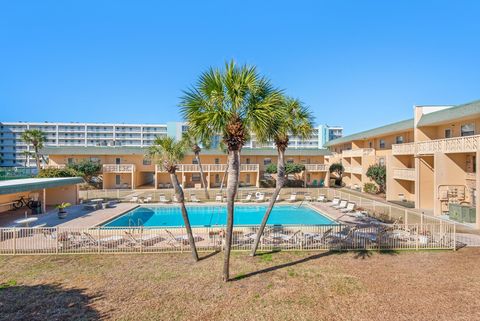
358	64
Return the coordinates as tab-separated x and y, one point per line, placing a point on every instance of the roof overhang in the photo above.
34	184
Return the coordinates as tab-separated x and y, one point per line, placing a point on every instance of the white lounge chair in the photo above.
194	199
335	202
148	199
248	198
218	198
293	198
160	185
174	198
134	199
260	198
308	198
278	198
343	204
144	240
163	199
107	242
321	198
350	208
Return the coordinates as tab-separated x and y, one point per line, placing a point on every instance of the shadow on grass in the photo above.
365	254
208	255
45	302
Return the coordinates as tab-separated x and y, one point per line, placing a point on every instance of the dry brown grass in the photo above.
278	286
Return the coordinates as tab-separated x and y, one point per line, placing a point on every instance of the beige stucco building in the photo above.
431	159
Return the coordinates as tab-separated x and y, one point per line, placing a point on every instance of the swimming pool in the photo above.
202	216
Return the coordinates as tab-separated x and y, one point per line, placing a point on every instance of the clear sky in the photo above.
358	64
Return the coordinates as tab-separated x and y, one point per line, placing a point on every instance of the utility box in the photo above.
462	213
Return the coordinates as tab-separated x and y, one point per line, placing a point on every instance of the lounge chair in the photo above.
343	204
174	198
293	198
321	198
160	185
278	198
349	209
148	199
218	198
260	198
308	198
317	238
134	199
282	238
194	199
106	242
335	202
111	204
163	199
144	240
90	207
248	198
181	239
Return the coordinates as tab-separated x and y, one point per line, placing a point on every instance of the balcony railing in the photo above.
194	168
467	144
57	166
118	168
407	174
358	152
471	176
316	167
353	169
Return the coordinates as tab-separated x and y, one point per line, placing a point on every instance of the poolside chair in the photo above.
144	240
321	198
194	199
293	197
163	199
160	185
134	199
335	201
181	239
148	199
343	204
349	209
260	198
278	199
90	207
106	242
218	198
316	238
308	198
281	238
111	204
248	198
174	198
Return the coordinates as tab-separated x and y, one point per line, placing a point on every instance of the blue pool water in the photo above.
201	216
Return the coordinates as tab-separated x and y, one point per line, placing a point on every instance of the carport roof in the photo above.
33	184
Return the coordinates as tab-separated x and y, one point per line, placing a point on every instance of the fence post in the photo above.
57	233
141	238
98	240
454	237
14	240
416	245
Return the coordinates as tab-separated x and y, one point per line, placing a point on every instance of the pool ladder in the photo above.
131	222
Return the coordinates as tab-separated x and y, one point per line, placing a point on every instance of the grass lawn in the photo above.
280	286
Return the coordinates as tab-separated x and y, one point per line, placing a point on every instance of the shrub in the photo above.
338	169
370	188
58	172
290	168
378	173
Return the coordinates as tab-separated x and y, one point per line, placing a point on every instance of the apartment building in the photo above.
431	160
128	168
14	152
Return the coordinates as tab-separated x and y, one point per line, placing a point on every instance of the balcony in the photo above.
194	168
471	176
354	169
403	149
316	167
358	152
467	144
57	166
118	168
407	174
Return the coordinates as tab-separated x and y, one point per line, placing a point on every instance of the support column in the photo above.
326	183
44	201
417	182
208	180
258	179
477	190
133	181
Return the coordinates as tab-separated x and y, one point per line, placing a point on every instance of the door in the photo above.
117	161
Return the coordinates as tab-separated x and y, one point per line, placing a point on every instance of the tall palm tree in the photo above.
231	102
291	118
36	138
27	155
167	152
193	143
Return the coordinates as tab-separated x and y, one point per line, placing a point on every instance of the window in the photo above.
399	140
308	178
448	133
195	177
382	143
467	130
370	145
195	161
70	161
290	161
247	178
217	179
217	161
248	161
266	161
147	161
117	161
117	180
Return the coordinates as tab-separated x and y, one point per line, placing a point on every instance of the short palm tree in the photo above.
292	118
36	138
167	152
232	102
27	155
193	143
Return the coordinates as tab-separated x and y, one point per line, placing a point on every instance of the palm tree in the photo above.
36	138
196	149
27	155
167	152
292	118
232	102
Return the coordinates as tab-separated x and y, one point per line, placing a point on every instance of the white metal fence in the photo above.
57	240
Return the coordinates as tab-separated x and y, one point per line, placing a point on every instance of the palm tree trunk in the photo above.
181	200
278	187
223	178
202	176
37	158
232	187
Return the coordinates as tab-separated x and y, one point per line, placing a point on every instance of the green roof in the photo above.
445	115
33	184
379	131
123	150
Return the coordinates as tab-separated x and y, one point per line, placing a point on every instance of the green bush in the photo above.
338	169
58	172
370	188
378	173
290	168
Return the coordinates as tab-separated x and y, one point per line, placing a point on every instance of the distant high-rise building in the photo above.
328	133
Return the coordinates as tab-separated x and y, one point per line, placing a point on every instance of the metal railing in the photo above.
403	149
466	144
358	152
316	167
195	168
62	240
404	173
354	169
118	168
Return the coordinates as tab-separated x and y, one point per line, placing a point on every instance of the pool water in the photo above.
201	216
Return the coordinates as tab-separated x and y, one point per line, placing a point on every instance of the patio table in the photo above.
26	221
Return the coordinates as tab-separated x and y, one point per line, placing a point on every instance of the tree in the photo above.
57	172
291	118
192	142
378	173
338	169
27	155
232	102
88	169
36	138
167	152
290	168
